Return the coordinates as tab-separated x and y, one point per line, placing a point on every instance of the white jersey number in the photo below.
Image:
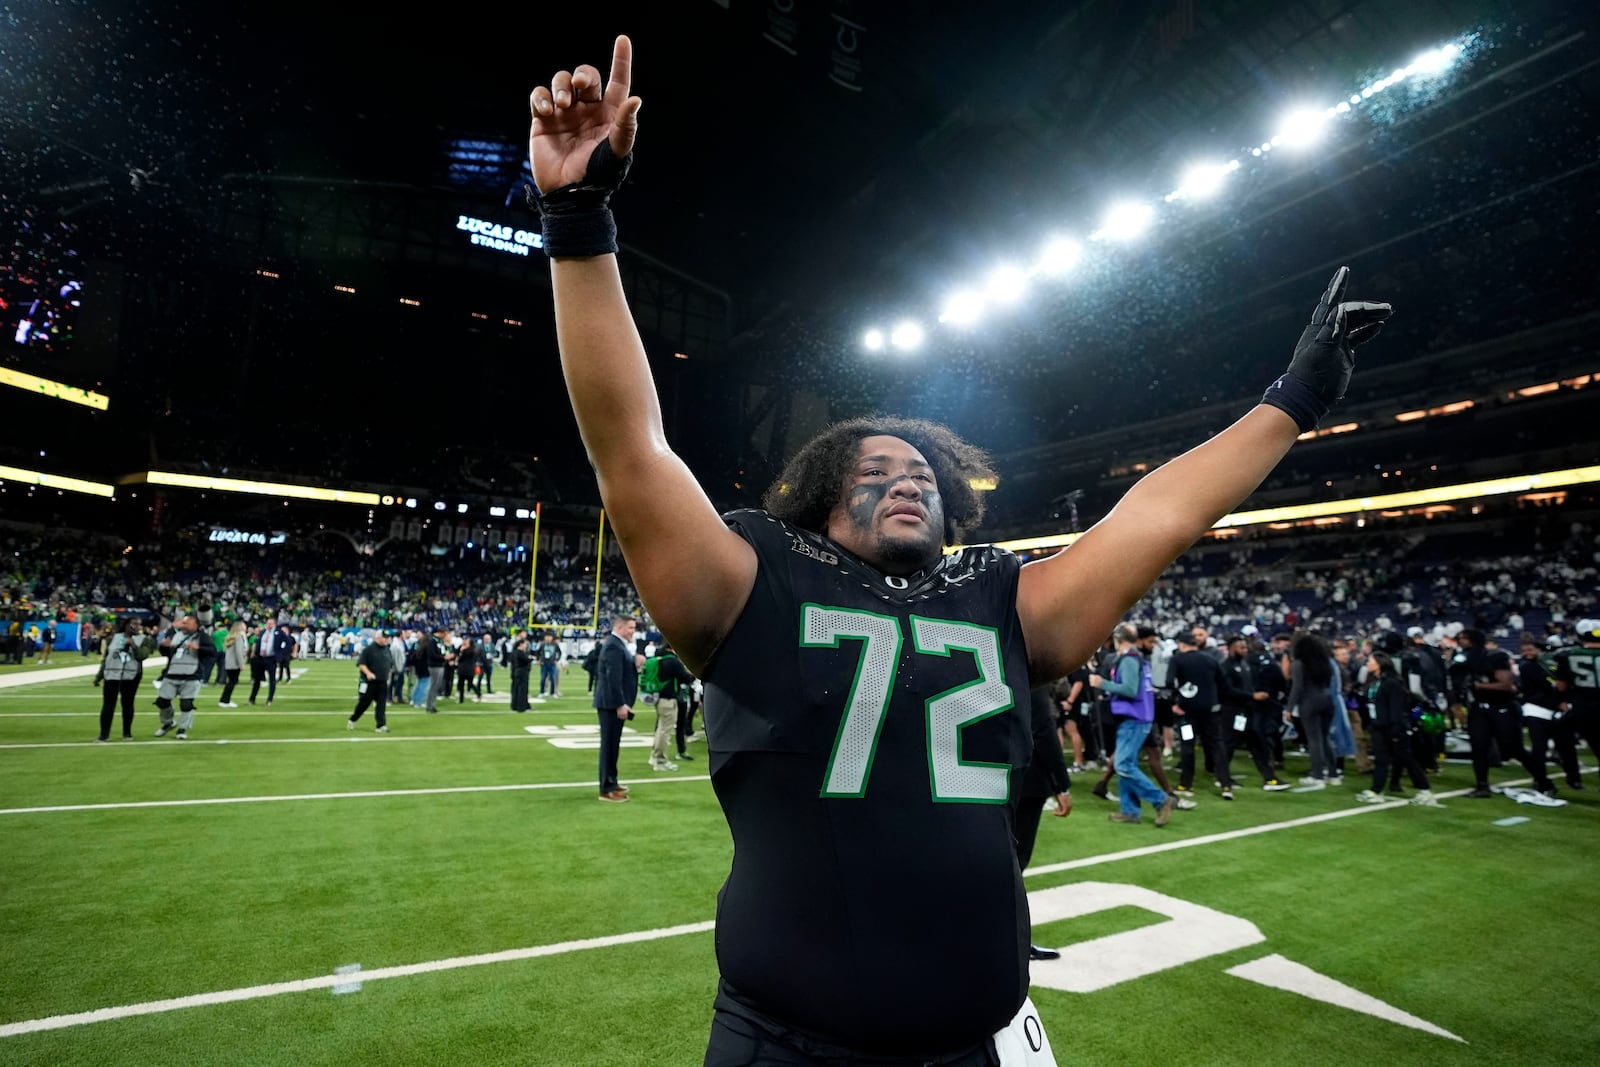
952	779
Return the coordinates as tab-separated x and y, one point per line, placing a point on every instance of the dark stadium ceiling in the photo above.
835	165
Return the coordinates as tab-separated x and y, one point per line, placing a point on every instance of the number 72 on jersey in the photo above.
952	779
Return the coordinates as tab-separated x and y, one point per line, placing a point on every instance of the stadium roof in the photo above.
841	166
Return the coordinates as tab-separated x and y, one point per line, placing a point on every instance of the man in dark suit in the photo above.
286	646
264	661
616	688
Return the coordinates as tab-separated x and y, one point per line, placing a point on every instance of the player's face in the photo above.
890	514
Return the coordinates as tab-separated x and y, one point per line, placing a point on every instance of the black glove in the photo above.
1325	355
577	217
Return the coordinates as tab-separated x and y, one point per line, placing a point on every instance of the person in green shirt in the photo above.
215	671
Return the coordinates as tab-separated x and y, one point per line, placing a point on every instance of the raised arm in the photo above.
693	573
1069	601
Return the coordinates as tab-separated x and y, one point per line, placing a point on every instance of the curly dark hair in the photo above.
808	489
1313	653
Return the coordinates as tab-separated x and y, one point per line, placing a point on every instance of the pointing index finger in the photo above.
619	85
1333	296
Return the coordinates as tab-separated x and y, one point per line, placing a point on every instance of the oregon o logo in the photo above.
1033	1032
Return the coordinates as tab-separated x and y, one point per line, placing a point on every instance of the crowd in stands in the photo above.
1504	581
1438	580
79	575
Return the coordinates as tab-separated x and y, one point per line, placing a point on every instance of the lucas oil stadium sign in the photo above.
499	237
247	537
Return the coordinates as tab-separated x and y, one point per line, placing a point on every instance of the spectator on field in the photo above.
235	651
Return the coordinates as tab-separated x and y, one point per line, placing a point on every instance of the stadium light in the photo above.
1059	257
1435	61
1124	222
1006	286
56	481
54	390
873	340
1301	128
962	307
906	336
1203	180
243	485
1442	494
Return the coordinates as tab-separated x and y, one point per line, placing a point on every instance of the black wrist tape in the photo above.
577	217
1294	395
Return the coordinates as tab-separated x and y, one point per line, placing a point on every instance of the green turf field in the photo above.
500	914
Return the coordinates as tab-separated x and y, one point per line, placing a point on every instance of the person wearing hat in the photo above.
373	686
1578	680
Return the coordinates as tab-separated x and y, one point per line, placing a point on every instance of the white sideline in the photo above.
151	1007
62	674
388	739
519	787
58	1022
1247	831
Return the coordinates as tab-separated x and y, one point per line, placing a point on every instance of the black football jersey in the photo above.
863	733
1579	667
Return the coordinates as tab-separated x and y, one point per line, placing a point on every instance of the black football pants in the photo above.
1490	728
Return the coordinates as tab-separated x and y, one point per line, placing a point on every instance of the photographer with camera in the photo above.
188	651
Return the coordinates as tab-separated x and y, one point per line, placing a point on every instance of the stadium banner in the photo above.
66	634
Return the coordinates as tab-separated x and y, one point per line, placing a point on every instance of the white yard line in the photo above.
519	787
245	709
152	1007
389	739
1248	831
327	981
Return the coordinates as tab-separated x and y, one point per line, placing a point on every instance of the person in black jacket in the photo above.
467	657
1542	707
373	669
521	669
1246	703
1045	781
1494	717
1200	688
1389	705
615	690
